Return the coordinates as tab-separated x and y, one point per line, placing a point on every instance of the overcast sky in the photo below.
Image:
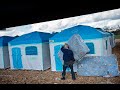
98	20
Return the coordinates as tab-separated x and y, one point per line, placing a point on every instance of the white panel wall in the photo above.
1	58
46	55
6	57
10	56
97	47
30	62
107	51
100	47
53	65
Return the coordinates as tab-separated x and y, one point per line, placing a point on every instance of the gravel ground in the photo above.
47	77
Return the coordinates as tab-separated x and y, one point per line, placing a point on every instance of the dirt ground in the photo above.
47	77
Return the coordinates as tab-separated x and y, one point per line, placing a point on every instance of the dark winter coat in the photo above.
67	55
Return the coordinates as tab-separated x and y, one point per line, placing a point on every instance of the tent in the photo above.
97	41
30	51
4	53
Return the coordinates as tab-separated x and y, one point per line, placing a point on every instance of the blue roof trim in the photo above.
86	32
4	40
30	38
105	32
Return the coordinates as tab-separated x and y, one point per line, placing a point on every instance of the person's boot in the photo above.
73	76
63	78
63	75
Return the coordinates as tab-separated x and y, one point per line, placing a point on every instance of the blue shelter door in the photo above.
16	55
58	62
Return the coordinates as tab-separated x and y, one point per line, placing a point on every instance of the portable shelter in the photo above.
97	41
30	51
4	53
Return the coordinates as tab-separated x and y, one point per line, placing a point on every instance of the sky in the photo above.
109	19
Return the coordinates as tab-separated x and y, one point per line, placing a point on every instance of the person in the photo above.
68	59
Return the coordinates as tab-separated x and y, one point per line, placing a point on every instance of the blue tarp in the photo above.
98	66
5	39
86	32
34	37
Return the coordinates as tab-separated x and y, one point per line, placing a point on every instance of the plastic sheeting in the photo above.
78	47
98	66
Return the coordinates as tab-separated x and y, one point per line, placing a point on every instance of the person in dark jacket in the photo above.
68	58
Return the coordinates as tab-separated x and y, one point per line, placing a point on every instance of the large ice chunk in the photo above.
78	47
98	66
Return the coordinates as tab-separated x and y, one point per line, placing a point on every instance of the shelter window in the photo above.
31	50
91	47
